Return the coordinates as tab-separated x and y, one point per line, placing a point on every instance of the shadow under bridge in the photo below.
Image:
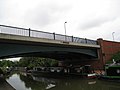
58	52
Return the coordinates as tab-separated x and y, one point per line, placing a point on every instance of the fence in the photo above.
40	34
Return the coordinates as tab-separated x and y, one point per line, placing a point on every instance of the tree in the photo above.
6	63
37	61
116	58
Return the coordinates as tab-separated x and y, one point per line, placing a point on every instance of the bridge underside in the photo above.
13	49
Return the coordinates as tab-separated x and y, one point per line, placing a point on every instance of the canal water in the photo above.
21	81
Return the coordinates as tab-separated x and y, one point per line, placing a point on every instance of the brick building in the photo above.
106	51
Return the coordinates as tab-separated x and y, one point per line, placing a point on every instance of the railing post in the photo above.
72	38
85	40
29	32
54	36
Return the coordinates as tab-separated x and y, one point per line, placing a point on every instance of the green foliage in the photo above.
116	57
6	63
37	61
29	62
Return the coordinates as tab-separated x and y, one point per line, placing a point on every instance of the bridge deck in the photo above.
44	35
17	38
20	42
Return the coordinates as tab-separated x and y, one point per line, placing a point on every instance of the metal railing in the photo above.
40	34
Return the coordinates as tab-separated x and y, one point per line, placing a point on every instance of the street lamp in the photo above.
113	45
65	30
113	35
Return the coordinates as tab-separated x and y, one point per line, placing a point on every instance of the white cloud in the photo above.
86	18
47	14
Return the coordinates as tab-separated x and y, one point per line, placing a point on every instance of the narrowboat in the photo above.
83	71
112	72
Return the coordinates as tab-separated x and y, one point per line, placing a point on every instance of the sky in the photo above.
12	59
90	19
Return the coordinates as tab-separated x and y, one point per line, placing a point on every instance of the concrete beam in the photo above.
9	37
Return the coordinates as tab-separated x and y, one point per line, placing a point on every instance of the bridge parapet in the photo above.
40	34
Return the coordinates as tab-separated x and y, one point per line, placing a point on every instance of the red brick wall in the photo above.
107	50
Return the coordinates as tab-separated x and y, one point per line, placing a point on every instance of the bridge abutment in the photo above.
106	51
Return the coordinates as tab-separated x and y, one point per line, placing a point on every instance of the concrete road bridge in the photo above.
19	42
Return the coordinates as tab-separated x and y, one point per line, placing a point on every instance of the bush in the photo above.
116	58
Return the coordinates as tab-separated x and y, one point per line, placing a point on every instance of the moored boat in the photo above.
112	72
83	71
93	75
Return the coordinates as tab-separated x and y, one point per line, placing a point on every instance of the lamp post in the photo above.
113	35
65	30
113	44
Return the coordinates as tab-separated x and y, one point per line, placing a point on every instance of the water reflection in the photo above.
28	82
